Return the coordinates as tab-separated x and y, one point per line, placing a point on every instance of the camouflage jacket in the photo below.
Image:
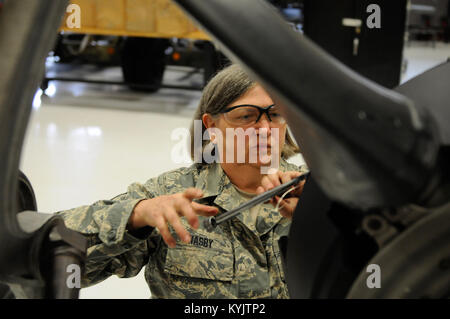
239	259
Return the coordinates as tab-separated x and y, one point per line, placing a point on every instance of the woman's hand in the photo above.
167	209
288	203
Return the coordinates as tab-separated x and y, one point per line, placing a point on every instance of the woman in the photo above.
160	224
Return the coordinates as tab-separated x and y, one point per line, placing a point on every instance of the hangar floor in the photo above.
87	142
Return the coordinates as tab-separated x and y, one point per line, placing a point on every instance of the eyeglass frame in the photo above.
262	110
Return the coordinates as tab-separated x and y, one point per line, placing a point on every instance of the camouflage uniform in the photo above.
240	259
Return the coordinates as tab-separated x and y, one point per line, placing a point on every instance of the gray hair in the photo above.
223	89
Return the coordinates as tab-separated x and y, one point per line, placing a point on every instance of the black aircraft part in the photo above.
346	124
34	248
26	200
414	265
431	89
370	149
23	25
313	226
325	253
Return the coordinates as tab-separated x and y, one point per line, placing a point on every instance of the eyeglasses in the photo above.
248	114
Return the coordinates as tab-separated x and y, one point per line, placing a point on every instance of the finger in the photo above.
294	174
204	210
266	183
174	220
260	190
292	201
161	225
276	201
288	207
275	178
299	190
289	202
285	202
287	176
286	212
285	209
192	193
184	208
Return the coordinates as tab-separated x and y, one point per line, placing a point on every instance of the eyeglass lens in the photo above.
249	115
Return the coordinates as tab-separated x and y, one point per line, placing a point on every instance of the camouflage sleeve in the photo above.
111	248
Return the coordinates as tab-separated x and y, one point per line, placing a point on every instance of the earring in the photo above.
212	138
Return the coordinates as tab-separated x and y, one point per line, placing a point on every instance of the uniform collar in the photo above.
218	189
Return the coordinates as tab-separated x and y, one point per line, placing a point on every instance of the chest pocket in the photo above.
213	261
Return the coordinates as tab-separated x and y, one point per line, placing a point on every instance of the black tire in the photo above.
144	62
214	60
26	200
64	54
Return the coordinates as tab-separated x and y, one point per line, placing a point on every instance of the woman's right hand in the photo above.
167	209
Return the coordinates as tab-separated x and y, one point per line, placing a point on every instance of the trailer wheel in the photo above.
214	60
144	62
62	51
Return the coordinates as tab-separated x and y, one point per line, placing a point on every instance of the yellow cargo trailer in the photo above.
137	18
143	36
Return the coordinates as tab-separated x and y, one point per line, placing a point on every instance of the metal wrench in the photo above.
212	222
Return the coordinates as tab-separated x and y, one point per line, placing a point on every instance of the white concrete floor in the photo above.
422	56
89	142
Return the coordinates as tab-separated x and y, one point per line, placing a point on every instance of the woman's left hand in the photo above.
289	202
